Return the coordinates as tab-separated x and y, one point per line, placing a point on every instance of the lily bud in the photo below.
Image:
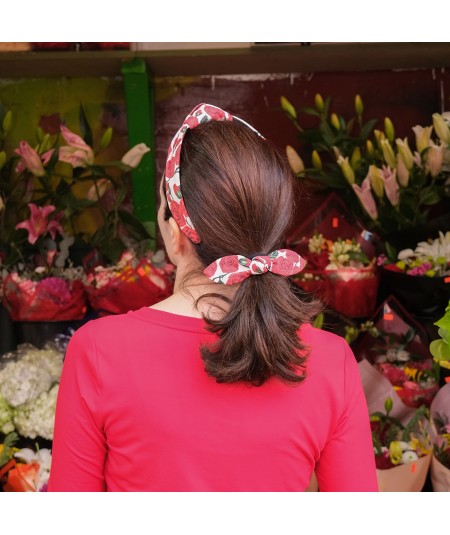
294	160
370	149
318	100
7	121
96	191
422	136
134	156
405	152
316	161
441	128
288	107
335	121
346	170
388	153
435	159
337	152
2	204
355	157
106	138
366	199
39	134
402	172
389	129
376	181
379	136
359	108
2	159
30	159
45	144
388	404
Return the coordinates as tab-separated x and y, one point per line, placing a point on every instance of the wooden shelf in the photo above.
272	58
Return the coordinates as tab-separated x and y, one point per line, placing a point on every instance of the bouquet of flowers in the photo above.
29	380
23	470
440	348
387	185
440	435
420	278
398	352
340	265
401	435
133	282
44	294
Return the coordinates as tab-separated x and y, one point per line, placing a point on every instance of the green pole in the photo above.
139	97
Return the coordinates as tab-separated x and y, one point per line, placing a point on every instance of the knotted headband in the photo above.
236	268
202	113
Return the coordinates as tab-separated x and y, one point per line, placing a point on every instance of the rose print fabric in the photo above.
202	113
236	268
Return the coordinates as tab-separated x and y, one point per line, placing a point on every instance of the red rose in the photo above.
229	264
176	212
282	266
210	270
235	278
173	162
192	122
214	113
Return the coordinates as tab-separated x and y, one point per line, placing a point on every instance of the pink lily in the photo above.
38	223
365	197
30	160
95	193
77	152
389	178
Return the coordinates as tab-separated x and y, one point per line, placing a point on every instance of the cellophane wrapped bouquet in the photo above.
440	435
133	282
395	346
340	259
43	294
400	434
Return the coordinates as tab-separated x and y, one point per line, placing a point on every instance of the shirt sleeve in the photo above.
347	463
79	444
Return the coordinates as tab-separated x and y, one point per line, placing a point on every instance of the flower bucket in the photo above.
440	476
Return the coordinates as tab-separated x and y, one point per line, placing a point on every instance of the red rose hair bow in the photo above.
202	113
236	268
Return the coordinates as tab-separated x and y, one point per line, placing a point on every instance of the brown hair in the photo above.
238	192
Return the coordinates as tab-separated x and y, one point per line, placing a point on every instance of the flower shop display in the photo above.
395	345
420	278
29	380
133	282
386	184
440	436
340	260
400	434
440	348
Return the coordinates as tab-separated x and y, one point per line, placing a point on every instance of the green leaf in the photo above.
133	226
430	195
318	321
86	131
444	334
440	350
310	111
367	129
391	252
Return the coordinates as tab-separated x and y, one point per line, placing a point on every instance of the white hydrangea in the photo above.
25	379
36	418
6	415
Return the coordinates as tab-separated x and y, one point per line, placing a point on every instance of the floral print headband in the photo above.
229	269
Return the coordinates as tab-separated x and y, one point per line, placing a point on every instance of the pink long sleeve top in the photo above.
136	411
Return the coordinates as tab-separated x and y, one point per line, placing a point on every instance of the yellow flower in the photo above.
395	452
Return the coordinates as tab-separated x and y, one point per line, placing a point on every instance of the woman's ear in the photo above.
178	239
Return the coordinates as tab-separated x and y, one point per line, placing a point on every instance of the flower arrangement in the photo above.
341	274
440	435
59	181
29	380
420	278
440	348
386	185
398	444
23	470
135	281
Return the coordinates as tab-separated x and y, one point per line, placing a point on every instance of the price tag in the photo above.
335	222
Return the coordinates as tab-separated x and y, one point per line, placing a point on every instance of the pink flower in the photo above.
390	184
77	153
56	289
38	223
95	193
365	197
134	156
30	160
435	158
